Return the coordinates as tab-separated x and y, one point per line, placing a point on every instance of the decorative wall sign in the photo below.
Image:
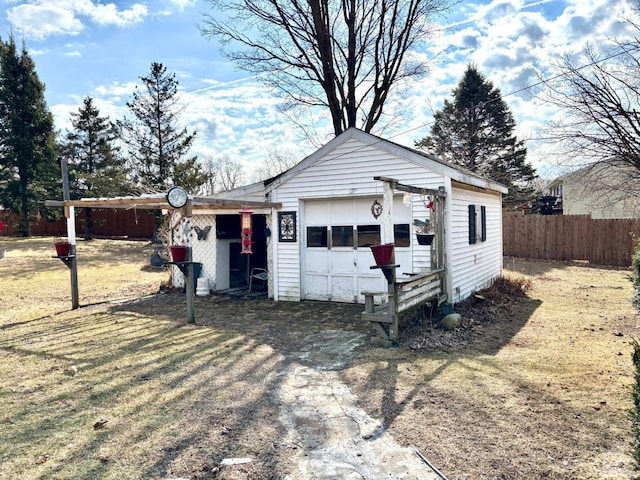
376	209
287	226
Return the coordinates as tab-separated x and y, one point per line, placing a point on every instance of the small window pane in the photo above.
316	236
368	235
401	235
342	236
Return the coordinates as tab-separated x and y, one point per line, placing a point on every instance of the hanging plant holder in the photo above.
424	231
425	238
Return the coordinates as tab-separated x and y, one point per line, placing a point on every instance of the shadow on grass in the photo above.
485	340
178	397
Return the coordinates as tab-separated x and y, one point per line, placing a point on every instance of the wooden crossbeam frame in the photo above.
411	189
419	289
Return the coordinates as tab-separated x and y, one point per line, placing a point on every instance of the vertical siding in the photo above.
571	237
473	266
131	223
347	171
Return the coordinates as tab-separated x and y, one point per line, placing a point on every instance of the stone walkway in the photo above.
333	438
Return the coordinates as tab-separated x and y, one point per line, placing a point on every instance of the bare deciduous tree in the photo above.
223	174
599	96
342	55
276	163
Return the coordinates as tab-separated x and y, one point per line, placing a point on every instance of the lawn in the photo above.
121	388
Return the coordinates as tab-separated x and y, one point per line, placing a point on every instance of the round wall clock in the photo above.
177	197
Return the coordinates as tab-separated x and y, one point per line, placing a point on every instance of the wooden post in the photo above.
387	213
191	312
387	217
437	257
69	213
393	307
438	260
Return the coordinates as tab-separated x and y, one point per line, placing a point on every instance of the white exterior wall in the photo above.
347	171
472	266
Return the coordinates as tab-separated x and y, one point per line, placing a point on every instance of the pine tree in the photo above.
28	171
156	146
96	168
476	131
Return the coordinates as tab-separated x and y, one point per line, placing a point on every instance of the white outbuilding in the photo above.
330	214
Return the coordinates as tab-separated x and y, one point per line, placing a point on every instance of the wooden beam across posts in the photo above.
154	202
411	189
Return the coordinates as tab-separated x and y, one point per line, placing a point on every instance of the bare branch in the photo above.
346	56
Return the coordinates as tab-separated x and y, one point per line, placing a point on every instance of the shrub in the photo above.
635	413
636	277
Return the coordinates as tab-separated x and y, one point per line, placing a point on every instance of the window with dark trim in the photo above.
402	235
317	237
477	224
368	235
342	236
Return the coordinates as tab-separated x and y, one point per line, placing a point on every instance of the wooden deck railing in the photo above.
402	295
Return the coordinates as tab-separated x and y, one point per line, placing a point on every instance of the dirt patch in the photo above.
503	309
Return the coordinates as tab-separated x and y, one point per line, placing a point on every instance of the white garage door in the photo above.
337	235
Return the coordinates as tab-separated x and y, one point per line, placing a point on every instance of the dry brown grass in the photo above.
541	391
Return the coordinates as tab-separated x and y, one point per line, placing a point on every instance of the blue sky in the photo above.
100	49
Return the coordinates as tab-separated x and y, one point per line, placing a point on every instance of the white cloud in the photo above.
34	52
39	21
42	18
115	89
240	121
182	4
514	44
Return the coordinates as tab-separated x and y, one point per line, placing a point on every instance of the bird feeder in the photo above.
245	230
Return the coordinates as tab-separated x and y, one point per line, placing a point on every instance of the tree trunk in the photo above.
88	224
25	223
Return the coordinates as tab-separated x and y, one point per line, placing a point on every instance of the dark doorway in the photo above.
240	265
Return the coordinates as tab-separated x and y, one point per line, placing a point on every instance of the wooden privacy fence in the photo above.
570	237
130	223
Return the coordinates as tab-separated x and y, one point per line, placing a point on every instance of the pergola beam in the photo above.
411	189
157	203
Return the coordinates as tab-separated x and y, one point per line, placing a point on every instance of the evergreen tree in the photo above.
156	146
96	168
28	170
476	131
